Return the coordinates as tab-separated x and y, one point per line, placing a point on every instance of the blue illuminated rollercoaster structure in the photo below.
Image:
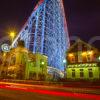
46	32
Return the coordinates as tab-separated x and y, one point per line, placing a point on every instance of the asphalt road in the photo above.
14	91
19	95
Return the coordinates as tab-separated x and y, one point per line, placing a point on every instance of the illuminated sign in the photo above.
5	47
83	65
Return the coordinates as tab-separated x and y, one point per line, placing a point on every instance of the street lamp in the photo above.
64	62
42	65
12	35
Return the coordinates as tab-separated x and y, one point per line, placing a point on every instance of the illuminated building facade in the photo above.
20	63
83	61
46	32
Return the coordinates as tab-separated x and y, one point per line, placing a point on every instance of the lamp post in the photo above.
64	62
12	35
42	63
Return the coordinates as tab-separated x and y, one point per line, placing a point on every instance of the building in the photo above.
36	67
83	62
20	63
46	32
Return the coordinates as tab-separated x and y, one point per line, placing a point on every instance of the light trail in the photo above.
53	93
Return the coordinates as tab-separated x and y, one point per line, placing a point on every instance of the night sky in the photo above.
83	17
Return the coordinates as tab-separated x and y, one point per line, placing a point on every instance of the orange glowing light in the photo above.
90	52
70	55
84	53
12	34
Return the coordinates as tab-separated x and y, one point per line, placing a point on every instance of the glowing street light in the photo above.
90	52
42	63
64	61
70	55
42	66
12	35
84	53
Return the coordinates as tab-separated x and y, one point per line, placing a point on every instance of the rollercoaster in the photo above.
46	32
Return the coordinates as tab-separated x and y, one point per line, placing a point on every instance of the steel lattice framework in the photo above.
46	32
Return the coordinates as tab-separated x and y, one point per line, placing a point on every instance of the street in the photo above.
14	91
18	95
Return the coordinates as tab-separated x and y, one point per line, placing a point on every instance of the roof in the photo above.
79	41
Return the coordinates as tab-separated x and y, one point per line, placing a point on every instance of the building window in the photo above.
71	58
88	58
32	75
13	60
5	64
73	72
81	73
81	70
84	58
90	73
41	76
